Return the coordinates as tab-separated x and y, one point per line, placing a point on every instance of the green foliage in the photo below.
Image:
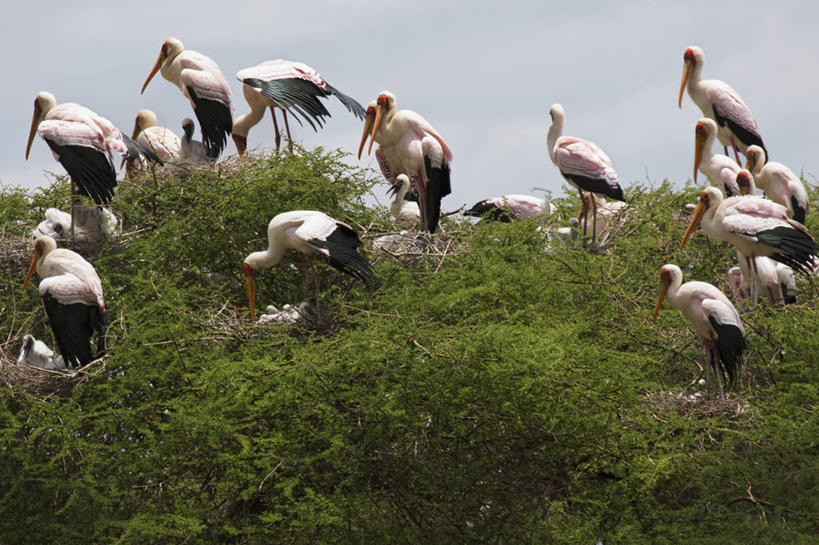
499	393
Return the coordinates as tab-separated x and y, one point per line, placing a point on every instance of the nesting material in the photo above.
287	315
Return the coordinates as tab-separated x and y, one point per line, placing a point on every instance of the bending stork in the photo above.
400	208
289	86
409	145
715	320
312	234
779	183
73	300
505	207
721	170
191	151
719	101
202	82
582	163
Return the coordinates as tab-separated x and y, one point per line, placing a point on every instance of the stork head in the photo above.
42	247
709	198
384	106
754	158
144	119
43	103
702	132
170	49
667	276
250	282
556	112
692	58
745	182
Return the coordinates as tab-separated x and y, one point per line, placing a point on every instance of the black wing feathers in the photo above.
350	103
342	244
598	185
135	149
91	170
489	210
799	212
730	345
73	325
438	186
796	248
215	120
743	134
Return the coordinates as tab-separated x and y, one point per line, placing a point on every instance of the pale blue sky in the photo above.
483	73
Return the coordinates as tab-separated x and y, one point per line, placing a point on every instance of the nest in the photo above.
697	405
412	248
15	254
43	383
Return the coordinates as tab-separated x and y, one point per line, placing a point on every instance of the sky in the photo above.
484	74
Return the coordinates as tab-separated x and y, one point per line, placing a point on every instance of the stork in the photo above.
191	151
82	142
161	140
409	145
72	296
202	82
582	164
290	86
505	207
716	322
719	101
311	233
721	170
400	208
37	354
778	182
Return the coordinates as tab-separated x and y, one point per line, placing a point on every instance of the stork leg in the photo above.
716	367
73	202
708	357
306	285
594	221
287	127
420	188
736	151
750	261
585	215
276	128
725	148
316	281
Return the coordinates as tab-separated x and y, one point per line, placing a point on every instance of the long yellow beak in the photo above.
31	269
368	125
155	69
699	146
379	118
35	121
695	221
660	298
687	67
251	295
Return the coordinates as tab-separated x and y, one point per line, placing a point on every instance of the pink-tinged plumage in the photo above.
520	206
161	140
294	88
72	296
82	142
202	82
410	145
720	169
721	103
754	226
311	233
779	183
716	322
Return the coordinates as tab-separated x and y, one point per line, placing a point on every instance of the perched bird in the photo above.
37	354
191	152
202	82
715	320
409	145
57	224
506	207
719	101
778	182
767	275
82	142
609	214
787	283
582	164
290	86
721	170
312	234
754	226
400	208
72	297
161	140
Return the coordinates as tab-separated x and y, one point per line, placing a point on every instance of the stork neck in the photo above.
266	259
244	123
555	131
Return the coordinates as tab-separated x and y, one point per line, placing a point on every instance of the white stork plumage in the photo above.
778	182
290	86
191	152
720	169
202	82
754	226
400	208
73	300
82	142
608	214
719	101
581	163
505	207
408	144
716	322
161	140
311	233
36	353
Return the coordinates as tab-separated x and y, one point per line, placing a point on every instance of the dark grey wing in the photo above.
73	325
342	245
351	104
89	168
730	345
215	120
135	149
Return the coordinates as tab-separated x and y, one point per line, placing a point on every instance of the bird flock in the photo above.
767	230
